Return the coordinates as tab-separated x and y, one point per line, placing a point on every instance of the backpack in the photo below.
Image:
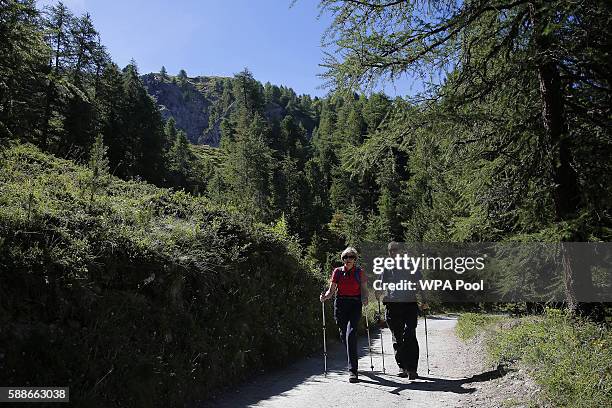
357	273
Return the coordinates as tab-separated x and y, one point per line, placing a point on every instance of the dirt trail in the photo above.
456	375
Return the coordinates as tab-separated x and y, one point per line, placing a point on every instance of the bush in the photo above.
143	296
571	360
469	324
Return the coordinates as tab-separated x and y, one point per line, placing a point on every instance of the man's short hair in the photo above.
394	246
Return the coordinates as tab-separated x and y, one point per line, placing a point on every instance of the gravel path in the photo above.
456	374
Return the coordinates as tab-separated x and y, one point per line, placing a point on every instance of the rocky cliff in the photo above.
188	102
196	102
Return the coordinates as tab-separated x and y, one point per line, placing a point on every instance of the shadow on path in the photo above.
428	383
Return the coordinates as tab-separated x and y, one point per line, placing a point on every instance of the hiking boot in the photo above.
403	373
412	375
353	377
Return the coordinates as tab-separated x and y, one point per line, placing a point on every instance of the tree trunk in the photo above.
566	195
44	142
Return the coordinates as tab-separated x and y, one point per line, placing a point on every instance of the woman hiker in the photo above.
349	282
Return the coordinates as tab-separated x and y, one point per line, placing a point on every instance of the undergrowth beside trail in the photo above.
136	296
470	324
570	359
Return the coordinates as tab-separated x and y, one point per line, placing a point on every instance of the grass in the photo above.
470	324
570	359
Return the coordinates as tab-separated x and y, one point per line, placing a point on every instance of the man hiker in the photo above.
401	314
349	282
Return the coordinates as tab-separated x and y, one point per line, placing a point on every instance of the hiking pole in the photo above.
369	343
426	344
382	344
324	341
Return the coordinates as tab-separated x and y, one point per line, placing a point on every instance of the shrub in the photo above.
143	297
469	324
570	359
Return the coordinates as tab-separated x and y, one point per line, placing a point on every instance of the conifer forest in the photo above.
163	235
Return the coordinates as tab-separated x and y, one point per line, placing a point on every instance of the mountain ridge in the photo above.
199	104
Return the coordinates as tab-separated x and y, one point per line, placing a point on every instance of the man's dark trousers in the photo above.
347	312
402	321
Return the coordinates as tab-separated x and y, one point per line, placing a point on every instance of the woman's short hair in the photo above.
349	250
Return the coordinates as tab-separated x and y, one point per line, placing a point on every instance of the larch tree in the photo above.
470	51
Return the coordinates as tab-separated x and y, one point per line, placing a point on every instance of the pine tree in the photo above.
23	56
84	48
375	110
318	194
182	77
143	129
350	224
170	131
508	67
180	154
98	165
249	168
57	22
322	140
268	96
110	116
227	99
377	229
291	196
248	93
163	74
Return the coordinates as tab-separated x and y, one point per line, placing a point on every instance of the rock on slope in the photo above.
188	103
192	101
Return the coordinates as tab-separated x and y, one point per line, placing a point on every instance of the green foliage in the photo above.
142	128
144	292
350	225
248	169
470	324
569	359
182	77
495	147
68	91
480	160
248	93
98	165
180	155
22	54
261	168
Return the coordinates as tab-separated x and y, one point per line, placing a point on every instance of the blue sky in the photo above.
278	43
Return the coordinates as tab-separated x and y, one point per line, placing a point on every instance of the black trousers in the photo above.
402	321
347	313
